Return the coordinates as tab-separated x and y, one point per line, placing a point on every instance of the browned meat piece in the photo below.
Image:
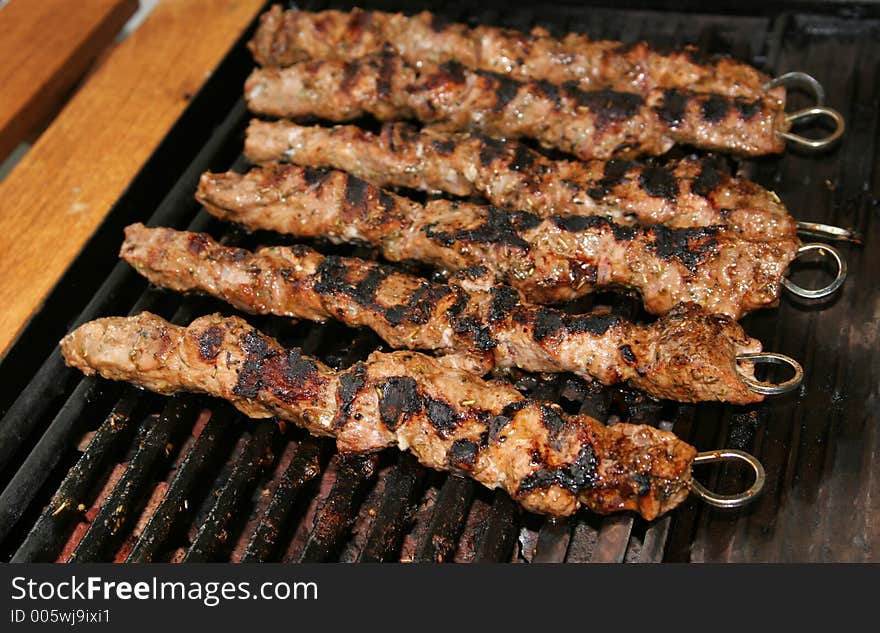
288	37
589	124
687	355
549	260
686	193
550	462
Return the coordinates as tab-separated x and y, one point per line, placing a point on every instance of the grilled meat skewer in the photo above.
287	37
687	355
550	260
549	461
686	193
598	124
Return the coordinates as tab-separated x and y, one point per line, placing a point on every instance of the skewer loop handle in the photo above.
766	388
735	500
829	232
810	84
825	291
811	113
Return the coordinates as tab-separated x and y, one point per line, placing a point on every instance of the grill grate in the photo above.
190	479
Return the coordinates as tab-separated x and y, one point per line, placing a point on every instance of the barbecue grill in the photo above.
97	471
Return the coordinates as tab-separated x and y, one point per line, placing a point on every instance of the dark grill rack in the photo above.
96	471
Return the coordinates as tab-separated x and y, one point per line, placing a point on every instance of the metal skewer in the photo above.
771	358
735	500
808	114
798	79
829	232
825	291
811	85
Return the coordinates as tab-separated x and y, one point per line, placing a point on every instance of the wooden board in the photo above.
64	186
45	49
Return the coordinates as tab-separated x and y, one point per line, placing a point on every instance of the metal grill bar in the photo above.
553	541
613	540
121	506
304	468
440	538
583	540
89	395
498	539
52	446
215	534
188	482
45	388
54	523
49	384
655	541
402	487
339	510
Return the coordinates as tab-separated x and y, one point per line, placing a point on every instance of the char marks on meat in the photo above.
288	37
681	194
598	124
550	260
686	355
443	418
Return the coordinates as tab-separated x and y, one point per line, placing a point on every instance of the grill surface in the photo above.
95	471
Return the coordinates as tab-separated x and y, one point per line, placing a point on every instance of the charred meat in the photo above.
550	260
596	124
686	355
551	462
288	37
690	192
